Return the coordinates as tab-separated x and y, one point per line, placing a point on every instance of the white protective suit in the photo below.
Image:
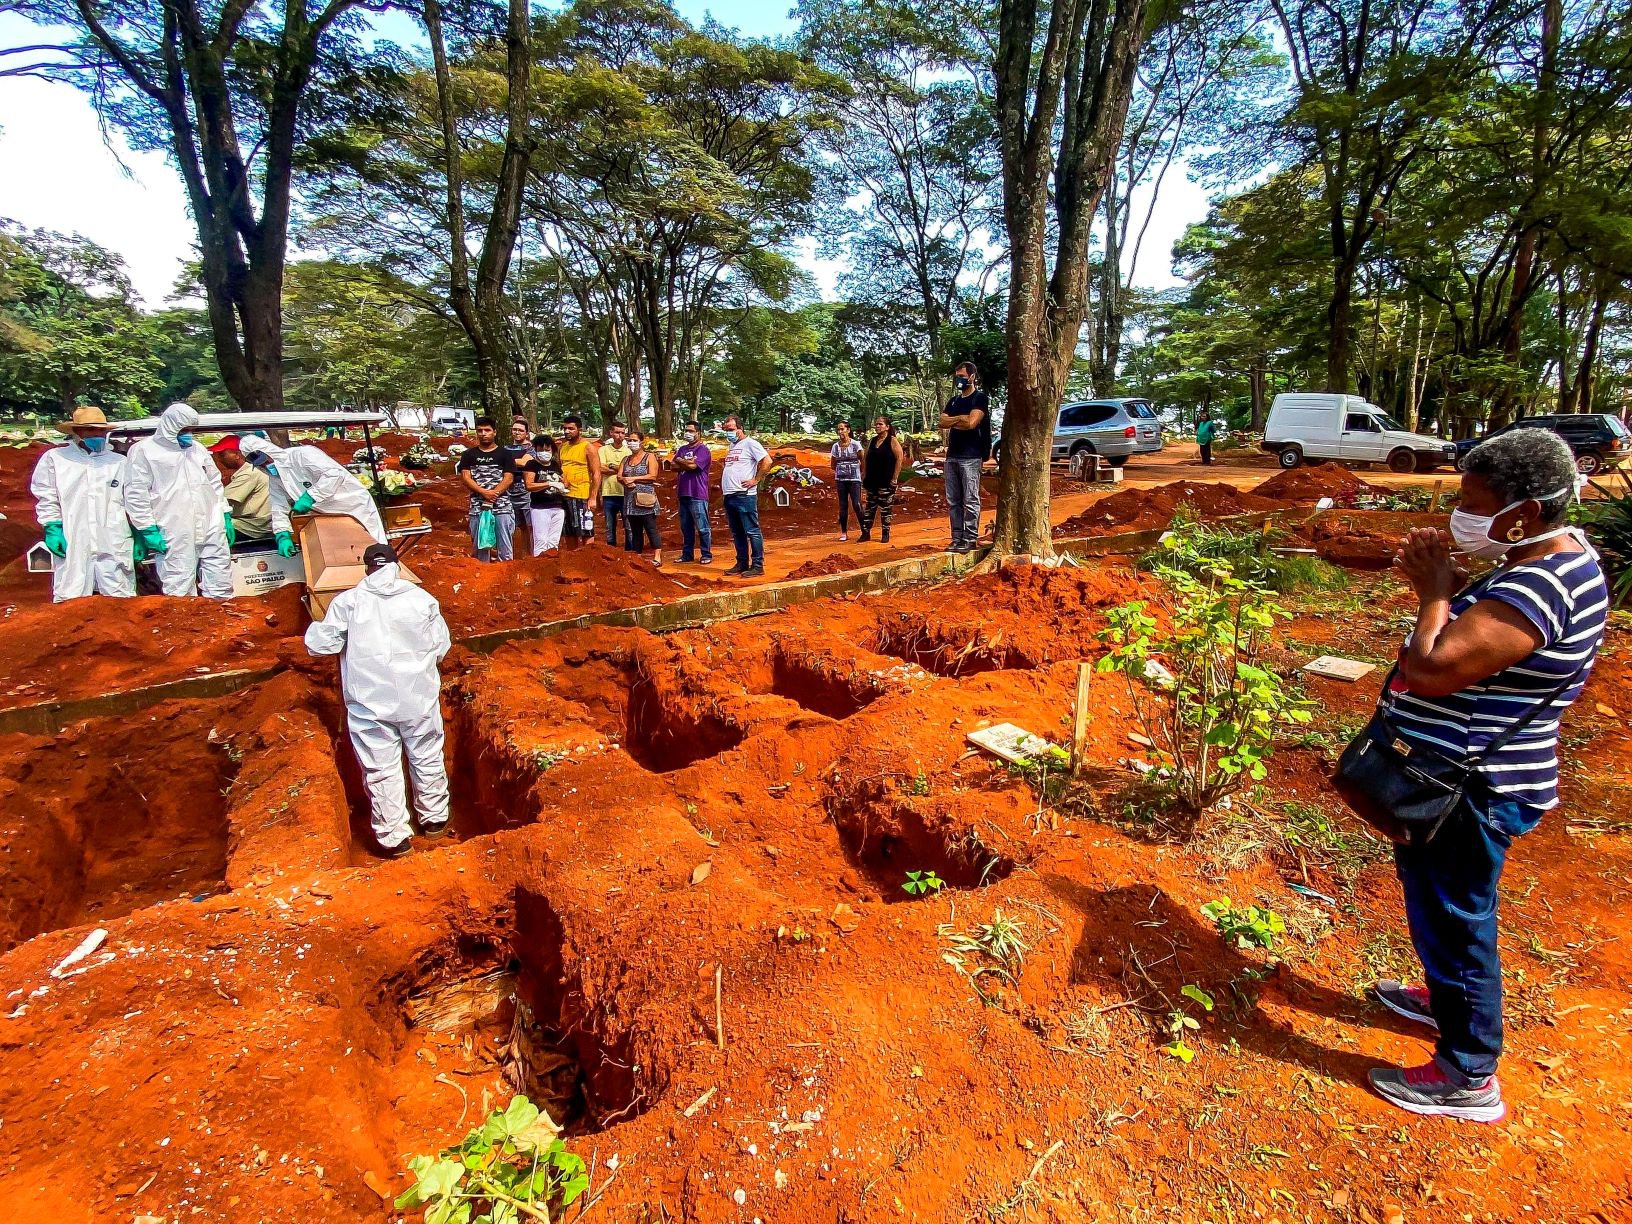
179	489
390	636
305	469
86	494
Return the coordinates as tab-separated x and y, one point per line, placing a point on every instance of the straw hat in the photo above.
85	418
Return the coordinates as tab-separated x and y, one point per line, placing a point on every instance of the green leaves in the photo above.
1213	726
1249	928
514	1157
921	883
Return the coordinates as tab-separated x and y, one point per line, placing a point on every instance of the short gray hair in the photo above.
1527	462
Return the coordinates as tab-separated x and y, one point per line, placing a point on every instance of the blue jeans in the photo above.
742	514
505	519
612	513
963	500
1450	906
694	528
849	495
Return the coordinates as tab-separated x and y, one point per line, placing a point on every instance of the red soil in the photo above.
271	1054
833	563
1360	539
1149	509
1311	483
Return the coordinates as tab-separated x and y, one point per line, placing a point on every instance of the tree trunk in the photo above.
1339	327
1586	374
1060	125
480	308
1258	377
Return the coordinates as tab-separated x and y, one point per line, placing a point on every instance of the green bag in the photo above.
487	530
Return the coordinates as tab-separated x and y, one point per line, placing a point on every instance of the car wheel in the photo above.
1081	447
1462	462
1118	461
1588	463
1402	461
1290	457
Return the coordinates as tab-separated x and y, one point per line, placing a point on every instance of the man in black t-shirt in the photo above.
520	450
488	471
969	441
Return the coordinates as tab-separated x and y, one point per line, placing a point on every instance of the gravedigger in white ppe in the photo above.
390	636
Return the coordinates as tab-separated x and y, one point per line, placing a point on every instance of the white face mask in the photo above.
1471	532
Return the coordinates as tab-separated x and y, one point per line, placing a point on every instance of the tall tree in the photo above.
912	204
70	326
224	87
479	305
1062	95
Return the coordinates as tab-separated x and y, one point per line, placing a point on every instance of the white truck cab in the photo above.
1324	425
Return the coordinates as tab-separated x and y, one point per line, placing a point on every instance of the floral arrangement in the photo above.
390	484
420	455
361	454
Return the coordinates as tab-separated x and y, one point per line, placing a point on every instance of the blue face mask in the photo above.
185	440
271	469
93	445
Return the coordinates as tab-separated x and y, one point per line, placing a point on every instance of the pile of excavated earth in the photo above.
673	915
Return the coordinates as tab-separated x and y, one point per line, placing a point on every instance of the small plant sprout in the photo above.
1003	938
920	784
922	883
511	1166
1180	1024
545	760
1245	928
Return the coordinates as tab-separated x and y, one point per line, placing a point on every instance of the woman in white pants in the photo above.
547	492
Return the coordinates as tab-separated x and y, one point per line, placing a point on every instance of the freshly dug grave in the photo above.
275	1050
833	563
1150	509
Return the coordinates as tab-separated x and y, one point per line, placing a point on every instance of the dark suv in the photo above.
1598	439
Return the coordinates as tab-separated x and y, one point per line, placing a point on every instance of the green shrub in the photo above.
1215	720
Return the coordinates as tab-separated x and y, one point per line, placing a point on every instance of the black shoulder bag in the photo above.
1407	790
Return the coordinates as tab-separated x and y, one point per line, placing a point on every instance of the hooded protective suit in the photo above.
304	471
86	494
177	489
390	636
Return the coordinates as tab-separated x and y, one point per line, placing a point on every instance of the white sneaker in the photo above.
843	536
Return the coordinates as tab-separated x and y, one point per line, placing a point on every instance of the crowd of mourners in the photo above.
571	490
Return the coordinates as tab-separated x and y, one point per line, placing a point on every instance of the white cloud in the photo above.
56	173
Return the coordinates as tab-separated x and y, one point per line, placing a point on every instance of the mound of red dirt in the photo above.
833	563
1149	509
479	597
52	653
1313	483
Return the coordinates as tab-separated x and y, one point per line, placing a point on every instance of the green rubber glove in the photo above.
153	538
303	503
55	541
138	550
286	544
232	532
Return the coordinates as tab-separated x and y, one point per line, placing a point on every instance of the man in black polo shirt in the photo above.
968	443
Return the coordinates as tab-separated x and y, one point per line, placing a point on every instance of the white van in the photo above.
1322	425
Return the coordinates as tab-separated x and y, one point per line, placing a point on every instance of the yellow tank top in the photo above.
575	468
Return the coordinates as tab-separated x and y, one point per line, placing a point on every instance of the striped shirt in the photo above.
1564	595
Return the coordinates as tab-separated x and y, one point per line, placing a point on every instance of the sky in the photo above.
59	172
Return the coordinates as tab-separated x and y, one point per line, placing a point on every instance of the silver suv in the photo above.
1110	428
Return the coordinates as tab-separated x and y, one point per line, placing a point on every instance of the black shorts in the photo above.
574	527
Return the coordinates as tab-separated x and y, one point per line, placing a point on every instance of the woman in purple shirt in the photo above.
692	462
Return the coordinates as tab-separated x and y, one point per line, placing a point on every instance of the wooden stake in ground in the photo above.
719	1012
1433	502
1079	723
